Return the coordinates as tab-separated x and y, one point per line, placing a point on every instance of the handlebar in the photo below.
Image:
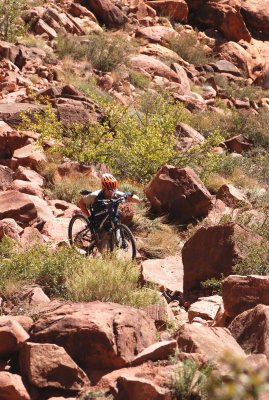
113	201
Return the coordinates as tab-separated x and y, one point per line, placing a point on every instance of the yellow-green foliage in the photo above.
242	382
11	25
72	276
133	142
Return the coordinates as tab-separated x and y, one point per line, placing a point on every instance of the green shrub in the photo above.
256	262
213	284
242	381
69	45
189	381
11	25
138	79
70	275
188	47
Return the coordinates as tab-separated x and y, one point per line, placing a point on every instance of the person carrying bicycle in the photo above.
109	191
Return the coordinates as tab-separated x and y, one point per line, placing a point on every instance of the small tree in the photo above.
11	25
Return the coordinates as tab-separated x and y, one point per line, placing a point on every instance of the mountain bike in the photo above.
85	233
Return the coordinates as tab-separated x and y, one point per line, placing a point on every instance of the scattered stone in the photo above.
12	387
107	13
157	351
232	197
239	144
205	308
12	335
176	10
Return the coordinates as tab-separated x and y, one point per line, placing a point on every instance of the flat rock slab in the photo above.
167	272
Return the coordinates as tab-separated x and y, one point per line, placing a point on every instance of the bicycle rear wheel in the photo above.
123	242
80	234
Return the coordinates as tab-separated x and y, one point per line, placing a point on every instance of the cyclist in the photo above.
109	191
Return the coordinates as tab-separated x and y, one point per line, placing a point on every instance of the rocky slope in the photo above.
97	349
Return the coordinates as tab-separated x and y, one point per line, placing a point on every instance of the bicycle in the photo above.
84	233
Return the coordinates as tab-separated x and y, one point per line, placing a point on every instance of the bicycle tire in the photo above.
83	239
119	245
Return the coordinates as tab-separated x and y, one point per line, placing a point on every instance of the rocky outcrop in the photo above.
212	252
232	196
96	335
176	10
178	192
255	13
107	13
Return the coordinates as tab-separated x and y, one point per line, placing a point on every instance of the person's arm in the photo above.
83	207
132	198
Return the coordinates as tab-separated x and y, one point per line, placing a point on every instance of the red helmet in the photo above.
109	182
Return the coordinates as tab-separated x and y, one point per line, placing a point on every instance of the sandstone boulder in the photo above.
6	177
48	365
154	67
96	335
29	156
158	351
10	228
12	387
27	187
225	17
212	252
107	12
241	293
29	175
232	196
136	388
157	34
12	335
11	113
255	13
178	192
30	237
238	144
56	229
17	206
73	168
208	342
205	308
250	330
177	10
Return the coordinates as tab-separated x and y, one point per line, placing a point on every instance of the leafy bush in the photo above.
213	284
11	25
189	47
256	262
243	381
139	79
71	276
189	381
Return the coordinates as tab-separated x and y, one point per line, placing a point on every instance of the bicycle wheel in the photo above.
123	242
80	234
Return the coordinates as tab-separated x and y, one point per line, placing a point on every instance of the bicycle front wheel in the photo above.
123	242
80	234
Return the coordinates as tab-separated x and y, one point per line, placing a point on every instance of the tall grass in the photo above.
72	276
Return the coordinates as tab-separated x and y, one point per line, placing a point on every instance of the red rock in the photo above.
136	388
255	14
232	196
239	144
250	329
178	192
6	177
205	308
107	13
12	387
48	365
213	251
208	342
29	156
11	113
184	130
241	293
158	51
158	351
153	66
61	208
157	34
29	175
27	187
72	168
96	335
12	335
77	10
56	229
30	237
177	10
16	205
9	227
42	27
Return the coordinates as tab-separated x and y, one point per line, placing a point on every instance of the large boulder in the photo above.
250	329
138	388
240	293
213	251
256	16
232	196
154	67
29	156
226	18
178	192
157	34
48	365
207	341
96	335
107	12
205	308
10	228
177	10
11	113
12	335
17	206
